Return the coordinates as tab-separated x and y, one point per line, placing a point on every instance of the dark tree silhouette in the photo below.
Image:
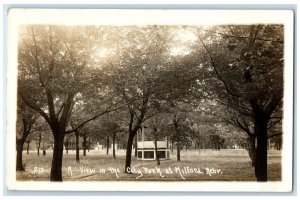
250	77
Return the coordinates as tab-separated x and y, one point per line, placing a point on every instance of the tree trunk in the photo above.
77	146
39	144
20	144
84	144
156	152
119	144
135	147
89	147
107	145
44	151
113	142
172	146
178	140
56	167
261	162
178	149
67	146
252	149
28	147
211	142
201	144
128	153
168	143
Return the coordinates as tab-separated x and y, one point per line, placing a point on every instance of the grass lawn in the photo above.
206	165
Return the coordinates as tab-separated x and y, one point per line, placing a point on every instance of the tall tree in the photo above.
111	126
84	143
181	127
159	129
248	64
25	122
137	77
77	146
55	73
145	73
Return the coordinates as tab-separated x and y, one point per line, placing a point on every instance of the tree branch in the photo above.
93	118
50	102
271	106
36	108
235	108
273	135
241	37
36	58
59	111
66	111
274	123
244	127
215	68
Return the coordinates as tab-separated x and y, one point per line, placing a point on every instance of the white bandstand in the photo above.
146	149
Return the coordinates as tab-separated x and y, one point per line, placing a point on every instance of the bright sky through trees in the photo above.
183	39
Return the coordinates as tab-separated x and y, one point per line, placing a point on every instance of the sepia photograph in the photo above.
128	99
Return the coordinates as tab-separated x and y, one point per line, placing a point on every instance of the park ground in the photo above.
195	165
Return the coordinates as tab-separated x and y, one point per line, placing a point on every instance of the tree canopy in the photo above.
74	75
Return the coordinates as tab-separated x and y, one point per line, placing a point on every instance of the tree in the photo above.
111	127
84	143
246	124
181	130
137	77
217	142
77	134
145	73
39	144
207	123
55	74
67	143
38	134
159	126
77	146
25	123
47	140
28	140
248	63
